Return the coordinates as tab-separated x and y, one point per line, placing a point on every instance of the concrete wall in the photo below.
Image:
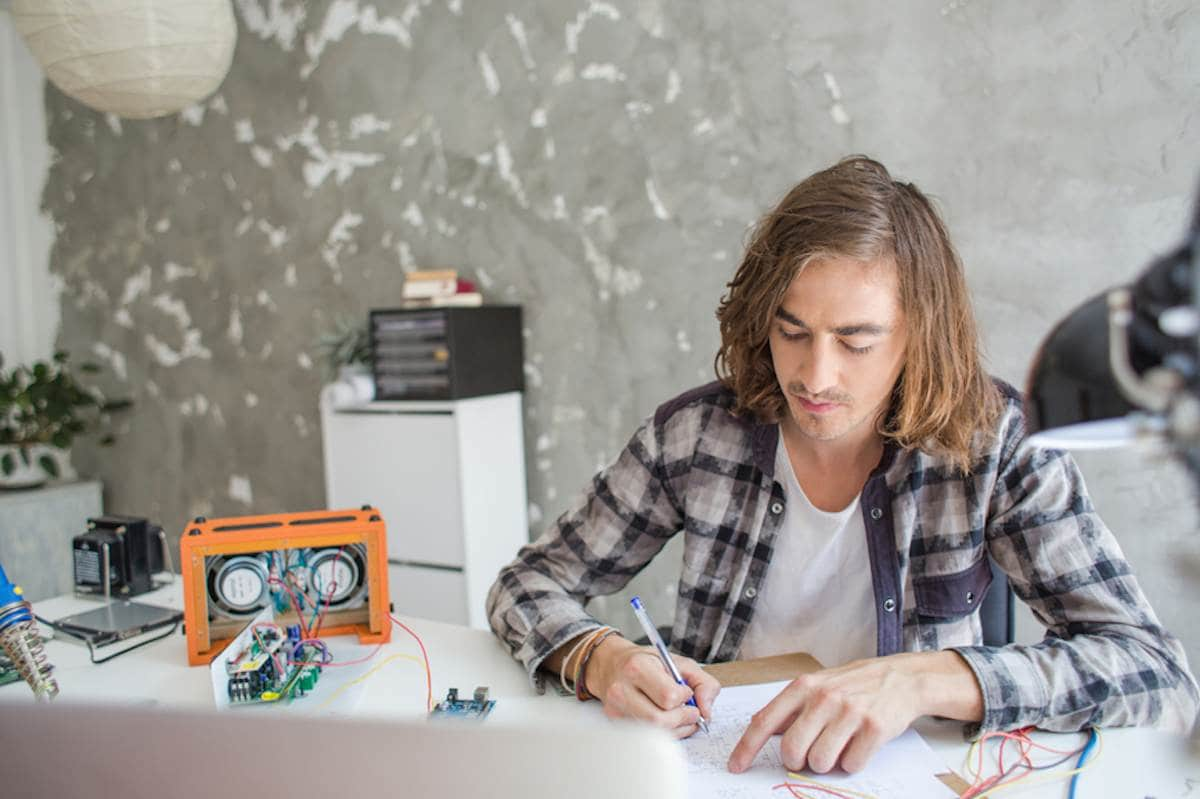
599	163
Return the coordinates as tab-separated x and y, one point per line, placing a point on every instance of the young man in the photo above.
841	489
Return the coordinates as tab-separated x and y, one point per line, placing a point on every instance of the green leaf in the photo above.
43	403
8	464
49	465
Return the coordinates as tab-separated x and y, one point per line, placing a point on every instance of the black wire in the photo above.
91	648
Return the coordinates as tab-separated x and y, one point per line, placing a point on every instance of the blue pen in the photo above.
657	642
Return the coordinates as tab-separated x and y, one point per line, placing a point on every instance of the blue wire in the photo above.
1083	756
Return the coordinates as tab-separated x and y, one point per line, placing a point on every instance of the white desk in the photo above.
158	673
1135	763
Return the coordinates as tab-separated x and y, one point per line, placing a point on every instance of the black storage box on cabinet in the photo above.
446	353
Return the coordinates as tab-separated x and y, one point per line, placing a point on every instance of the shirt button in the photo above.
889	604
876	514
777	508
751	593
970	597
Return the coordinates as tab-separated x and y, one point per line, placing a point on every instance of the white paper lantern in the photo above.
135	58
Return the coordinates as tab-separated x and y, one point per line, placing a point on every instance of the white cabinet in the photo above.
449	480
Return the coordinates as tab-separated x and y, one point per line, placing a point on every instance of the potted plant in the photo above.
346	350
42	409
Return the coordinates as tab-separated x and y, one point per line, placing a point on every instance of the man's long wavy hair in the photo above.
854	209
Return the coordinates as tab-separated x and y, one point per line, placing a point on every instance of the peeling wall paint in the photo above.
599	163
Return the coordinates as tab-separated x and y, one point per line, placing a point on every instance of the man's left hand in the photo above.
842	716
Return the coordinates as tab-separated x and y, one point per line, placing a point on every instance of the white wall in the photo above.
28	294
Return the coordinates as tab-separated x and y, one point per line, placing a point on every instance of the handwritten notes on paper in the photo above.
902	769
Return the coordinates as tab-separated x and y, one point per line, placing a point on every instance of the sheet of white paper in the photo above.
902	769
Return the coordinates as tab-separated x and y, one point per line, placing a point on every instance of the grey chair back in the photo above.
997	613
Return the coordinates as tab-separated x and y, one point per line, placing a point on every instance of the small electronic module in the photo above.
476	707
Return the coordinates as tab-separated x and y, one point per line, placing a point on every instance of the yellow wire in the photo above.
1025	782
357	680
838	789
968	766
970	759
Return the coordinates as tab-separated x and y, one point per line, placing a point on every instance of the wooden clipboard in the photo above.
785	667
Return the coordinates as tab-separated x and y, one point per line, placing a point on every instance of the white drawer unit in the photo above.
448	476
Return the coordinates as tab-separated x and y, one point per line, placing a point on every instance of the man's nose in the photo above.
820	370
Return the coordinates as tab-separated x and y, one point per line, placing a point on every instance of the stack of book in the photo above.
437	288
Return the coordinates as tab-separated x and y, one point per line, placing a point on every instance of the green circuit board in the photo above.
477	707
8	672
267	675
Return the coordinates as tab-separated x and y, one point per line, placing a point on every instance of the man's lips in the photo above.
816	407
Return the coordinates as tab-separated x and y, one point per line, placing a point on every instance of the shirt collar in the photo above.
765	439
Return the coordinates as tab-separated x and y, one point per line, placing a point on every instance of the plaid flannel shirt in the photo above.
694	468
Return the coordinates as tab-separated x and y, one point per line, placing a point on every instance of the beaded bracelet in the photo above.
581	691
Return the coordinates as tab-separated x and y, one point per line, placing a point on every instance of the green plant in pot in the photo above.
346	348
43	408
346	353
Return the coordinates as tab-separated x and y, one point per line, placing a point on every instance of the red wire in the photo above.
1023	735
295	604
262	645
1026	746
792	790
329	595
425	655
795	787
1000	753
356	661
309	637
981	784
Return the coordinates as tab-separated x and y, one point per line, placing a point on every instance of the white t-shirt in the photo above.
816	596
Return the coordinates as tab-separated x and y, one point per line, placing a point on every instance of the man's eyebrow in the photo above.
862	329
787	317
855	329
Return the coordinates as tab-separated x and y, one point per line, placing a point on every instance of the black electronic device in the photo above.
1124	366
118	555
447	353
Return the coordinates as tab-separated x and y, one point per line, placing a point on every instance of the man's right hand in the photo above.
632	682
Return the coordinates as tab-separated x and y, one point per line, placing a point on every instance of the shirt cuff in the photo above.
551	634
1014	691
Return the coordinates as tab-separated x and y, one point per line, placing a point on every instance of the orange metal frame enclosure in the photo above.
241	535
